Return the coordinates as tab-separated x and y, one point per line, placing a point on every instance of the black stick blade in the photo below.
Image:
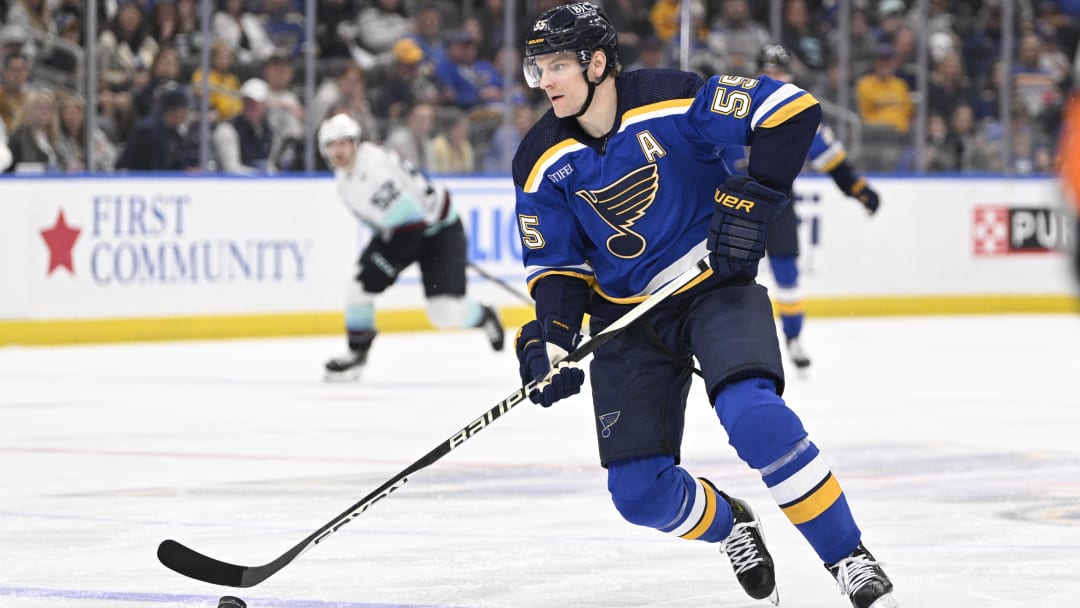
193	564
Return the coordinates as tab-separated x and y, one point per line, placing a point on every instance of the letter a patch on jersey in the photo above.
622	204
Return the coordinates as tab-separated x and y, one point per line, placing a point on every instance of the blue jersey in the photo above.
629	211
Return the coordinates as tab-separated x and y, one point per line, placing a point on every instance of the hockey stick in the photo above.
195	565
501	283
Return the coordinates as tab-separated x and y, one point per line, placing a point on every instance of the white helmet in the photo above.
338	126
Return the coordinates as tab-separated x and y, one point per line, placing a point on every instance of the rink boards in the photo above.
101	259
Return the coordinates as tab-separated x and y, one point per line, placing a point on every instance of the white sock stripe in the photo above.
800	483
696	511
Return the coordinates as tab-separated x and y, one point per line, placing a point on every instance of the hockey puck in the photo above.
229	601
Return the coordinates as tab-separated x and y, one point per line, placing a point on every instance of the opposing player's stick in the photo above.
195	565
501	283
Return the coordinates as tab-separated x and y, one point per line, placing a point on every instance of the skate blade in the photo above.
349	375
774	599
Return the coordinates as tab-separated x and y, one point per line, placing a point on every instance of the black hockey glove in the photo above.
382	260
866	195
737	231
537	346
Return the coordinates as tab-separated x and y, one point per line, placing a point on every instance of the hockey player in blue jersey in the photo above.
782	245
621	187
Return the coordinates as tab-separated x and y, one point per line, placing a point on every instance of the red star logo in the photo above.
60	239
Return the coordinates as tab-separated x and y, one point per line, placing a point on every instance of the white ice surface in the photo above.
956	439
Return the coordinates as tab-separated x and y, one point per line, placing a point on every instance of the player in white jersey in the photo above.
412	220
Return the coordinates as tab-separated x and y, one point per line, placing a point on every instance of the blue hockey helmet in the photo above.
581	28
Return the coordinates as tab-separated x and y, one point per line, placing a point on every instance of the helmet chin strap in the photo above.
592	89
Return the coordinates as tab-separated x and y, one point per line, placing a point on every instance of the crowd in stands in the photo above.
426	78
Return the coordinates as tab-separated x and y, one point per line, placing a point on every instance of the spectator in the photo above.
863	41
806	44
63	58
505	142
664	17
885	105
405	82
15	41
125	48
157	142
348	92
1037	91
284	113
285	26
188	38
467	82
33	15
949	85
243	31
427	30
333	13
652	55
224	83
735	40
165	69
884	99
13	90
631	20
34	134
412	140
242	144
378	26
451	150
71	143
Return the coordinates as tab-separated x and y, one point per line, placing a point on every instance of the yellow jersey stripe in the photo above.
547	159
815	503
707	517
588	278
791	109
660	108
834	162
635	299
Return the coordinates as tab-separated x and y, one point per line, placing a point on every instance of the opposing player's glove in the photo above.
737	230
537	346
383	260
866	195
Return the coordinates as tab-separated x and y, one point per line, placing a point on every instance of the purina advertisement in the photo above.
123	249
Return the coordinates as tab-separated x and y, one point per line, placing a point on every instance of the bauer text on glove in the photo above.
743	208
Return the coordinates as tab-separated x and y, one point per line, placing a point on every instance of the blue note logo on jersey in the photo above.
607	421
621	205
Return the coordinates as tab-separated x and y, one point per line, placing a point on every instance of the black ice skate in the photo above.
862	580
745	547
347	367
493	327
797	354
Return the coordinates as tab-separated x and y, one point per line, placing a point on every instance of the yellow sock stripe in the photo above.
707	517
815	503
790	308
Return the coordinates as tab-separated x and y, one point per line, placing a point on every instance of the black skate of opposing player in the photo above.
348	366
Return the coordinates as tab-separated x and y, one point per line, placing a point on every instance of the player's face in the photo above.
339	153
559	75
